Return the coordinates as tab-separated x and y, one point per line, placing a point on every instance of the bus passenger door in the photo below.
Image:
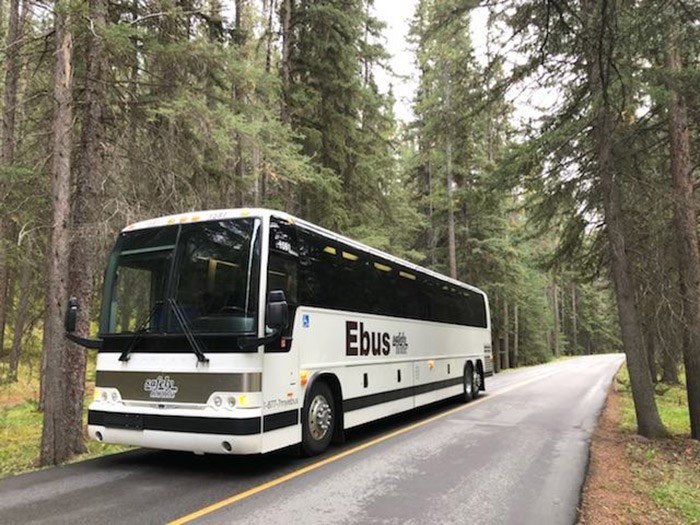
282	400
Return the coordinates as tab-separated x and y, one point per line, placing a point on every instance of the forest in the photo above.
579	223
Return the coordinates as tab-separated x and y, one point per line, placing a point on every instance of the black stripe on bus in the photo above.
197	425
356	403
280	420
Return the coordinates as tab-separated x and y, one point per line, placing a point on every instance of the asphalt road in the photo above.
516	455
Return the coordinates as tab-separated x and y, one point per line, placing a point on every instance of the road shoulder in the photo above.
626	471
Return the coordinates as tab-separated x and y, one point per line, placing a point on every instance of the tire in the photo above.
477	381
318	419
468	383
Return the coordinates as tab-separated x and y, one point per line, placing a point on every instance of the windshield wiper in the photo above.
182	320
142	329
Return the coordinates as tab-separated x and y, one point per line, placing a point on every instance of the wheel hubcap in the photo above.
477	380
469	384
320	417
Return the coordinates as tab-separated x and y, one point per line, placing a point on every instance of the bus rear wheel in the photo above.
468	384
477	382
318	420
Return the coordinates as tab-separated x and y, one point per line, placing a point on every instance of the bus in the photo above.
245	331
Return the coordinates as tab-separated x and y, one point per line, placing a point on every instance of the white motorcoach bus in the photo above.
245	331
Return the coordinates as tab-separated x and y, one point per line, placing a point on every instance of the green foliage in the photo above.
20	436
505	209
679	494
672	402
666	471
344	124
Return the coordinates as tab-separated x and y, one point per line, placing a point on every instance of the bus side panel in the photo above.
282	398
388	390
366	353
438	379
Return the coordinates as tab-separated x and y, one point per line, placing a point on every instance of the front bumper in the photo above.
185	441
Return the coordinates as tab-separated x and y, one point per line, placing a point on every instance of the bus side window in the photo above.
317	270
282	265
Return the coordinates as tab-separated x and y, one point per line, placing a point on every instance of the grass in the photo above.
667	471
20	427
671	400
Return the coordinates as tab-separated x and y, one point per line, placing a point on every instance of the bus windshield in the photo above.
210	268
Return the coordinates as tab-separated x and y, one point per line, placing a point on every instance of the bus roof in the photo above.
215	215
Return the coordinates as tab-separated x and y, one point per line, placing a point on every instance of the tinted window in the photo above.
217	282
282	264
337	276
136	278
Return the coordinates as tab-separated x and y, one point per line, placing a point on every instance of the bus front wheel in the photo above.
318	419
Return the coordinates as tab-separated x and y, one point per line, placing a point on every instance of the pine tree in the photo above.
58	433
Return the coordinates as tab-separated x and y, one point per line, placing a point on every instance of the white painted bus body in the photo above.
429	368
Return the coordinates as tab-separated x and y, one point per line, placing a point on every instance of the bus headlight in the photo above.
234	400
107	395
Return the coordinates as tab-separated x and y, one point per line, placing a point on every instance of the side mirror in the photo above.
277	312
71	315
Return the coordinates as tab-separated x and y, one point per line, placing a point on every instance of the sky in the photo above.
397	15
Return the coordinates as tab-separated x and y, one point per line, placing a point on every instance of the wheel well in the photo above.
332	381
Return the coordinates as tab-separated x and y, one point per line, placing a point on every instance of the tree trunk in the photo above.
687	235
287	39
9	112
496	342
669	366
562	315
432	238
648	420
506	335
574	321
21	315
239	95
268	37
557	321
89	178
516	336
451	242
650	341
600	78
56	441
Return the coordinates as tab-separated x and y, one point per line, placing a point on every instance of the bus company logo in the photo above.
400	343
161	387
359	341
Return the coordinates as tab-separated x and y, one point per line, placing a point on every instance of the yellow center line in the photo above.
300	472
